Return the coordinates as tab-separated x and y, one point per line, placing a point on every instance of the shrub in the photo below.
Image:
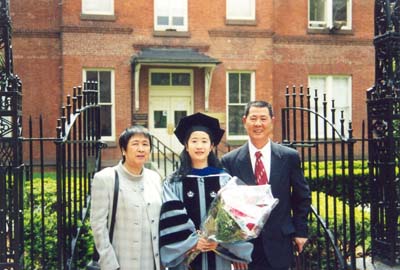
336	182
319	251
40	228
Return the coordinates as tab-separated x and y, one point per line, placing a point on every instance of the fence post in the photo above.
11	158
352	241
383	103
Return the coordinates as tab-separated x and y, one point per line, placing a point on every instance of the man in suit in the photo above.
273	249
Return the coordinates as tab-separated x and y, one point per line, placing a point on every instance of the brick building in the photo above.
158	60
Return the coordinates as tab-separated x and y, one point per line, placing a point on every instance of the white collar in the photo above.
265	151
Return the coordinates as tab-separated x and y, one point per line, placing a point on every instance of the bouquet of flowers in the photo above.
238	213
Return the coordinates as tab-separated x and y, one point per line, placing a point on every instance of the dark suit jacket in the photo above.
289	217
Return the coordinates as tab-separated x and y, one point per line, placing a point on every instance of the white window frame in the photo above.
230	4
330	95
252	96
328	22
112	103
170	72
93	7
184	8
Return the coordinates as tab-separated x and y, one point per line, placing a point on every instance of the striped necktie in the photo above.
259	171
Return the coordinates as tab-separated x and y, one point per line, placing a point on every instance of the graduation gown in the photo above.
186	201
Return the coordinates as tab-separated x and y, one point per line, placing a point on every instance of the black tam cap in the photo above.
199	122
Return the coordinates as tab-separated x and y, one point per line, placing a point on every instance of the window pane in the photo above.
162	7
97	6
177	20
235	120
105	114
245	84
91	76
171	12
340	92
160	119
178	115
233	88
178	8
105	87
339	10
240	9
160	79
180	78
317	83
317	10
162	20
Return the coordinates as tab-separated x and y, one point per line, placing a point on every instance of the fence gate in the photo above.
334	163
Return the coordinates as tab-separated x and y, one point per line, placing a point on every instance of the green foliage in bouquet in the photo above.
221	224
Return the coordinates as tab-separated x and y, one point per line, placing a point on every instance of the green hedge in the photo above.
336	182
316	250
36	250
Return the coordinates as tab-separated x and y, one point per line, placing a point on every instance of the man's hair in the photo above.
258	104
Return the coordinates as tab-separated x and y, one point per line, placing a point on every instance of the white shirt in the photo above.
265	158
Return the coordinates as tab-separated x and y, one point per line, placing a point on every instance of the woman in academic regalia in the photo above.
187	195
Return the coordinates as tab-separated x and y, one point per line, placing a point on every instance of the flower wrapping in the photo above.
237	213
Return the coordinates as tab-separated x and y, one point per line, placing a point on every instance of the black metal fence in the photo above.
335	165
57	195
383	103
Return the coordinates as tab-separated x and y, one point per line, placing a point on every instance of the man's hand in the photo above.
239	266
300	242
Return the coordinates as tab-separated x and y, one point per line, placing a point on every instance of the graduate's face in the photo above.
199	147
137	151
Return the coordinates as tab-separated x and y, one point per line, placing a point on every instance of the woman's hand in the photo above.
204	245
239	266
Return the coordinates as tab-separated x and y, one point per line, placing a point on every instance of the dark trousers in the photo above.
259	260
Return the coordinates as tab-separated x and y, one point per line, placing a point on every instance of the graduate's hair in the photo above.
128	133
186	163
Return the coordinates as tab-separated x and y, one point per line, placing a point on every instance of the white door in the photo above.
165	113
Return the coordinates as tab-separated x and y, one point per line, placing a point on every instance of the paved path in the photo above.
376	266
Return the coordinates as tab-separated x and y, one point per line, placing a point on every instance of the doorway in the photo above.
165	113
171	95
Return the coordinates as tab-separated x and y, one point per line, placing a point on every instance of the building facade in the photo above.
158	60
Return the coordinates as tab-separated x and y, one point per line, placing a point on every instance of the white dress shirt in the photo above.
265	158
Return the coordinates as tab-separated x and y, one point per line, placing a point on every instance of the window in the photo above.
170	79
170	15
240	89
105	81
329	14
337	88
98	7
240	10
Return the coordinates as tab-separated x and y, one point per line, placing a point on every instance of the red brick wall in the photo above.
51	50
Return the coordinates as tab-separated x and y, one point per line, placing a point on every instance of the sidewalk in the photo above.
376	266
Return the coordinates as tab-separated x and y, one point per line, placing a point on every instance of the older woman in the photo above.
135	240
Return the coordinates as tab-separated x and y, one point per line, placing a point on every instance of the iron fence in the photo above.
57	194
338	177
